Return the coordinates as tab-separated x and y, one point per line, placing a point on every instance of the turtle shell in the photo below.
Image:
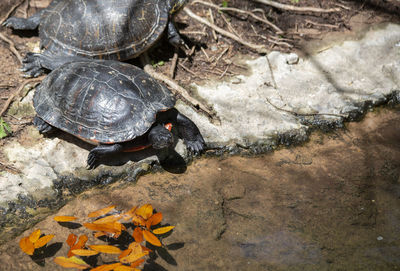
113	29
101	101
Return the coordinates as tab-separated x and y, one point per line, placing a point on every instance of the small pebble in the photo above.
379	238
292	59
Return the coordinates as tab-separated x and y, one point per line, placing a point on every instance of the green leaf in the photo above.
5	129
158	64
225	3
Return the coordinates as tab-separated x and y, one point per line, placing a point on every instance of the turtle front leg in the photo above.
190	134
174	38
30	23
97	153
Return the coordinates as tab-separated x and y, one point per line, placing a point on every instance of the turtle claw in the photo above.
196	146
31	65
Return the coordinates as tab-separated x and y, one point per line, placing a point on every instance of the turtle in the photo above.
113	105
99	29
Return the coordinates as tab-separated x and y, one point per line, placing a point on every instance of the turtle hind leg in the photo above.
42	126
97	153
30	23
35	64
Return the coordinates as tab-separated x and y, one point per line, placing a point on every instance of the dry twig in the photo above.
175	88
294	8
258	48
17	92
173	64
12	47
277	29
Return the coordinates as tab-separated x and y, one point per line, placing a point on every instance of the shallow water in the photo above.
331	204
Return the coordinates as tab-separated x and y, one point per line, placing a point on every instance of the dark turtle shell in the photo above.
101	100
113	29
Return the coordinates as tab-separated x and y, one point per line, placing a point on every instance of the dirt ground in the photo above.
331	204
212	56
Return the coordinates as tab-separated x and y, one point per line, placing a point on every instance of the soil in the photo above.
331	204
213	57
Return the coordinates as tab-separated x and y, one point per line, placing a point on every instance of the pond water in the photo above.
330	204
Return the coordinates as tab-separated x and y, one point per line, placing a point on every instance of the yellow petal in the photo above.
43	240
64	218
34	236
72	262
106	249
163	230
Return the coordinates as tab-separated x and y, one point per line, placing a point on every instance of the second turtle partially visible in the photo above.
104	29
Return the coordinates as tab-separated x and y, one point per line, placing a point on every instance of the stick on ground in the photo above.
257	47
175	88
295	8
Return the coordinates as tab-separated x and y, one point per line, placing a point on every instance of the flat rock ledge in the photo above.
280	102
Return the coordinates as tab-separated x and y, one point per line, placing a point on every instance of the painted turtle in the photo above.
114	105
112	29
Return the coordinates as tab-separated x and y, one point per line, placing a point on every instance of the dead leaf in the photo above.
34	236
151	238
26	245
106	249
133	257
72	262
163	230
101	211
43	240
65	218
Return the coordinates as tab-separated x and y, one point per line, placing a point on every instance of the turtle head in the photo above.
176	5
160	137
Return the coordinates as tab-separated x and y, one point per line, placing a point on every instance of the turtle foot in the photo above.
31	65
16	23
196	146
42	126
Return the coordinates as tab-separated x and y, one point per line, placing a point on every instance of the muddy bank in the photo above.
331	204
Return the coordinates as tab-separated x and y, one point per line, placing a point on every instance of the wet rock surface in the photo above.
279	103
330	204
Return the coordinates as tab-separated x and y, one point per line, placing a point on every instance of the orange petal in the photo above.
99	233
133	257
84	252
80	244
106	267
72	262
145	211
138	220
151	238
71	239
110	218
43	240
163	230
137	263
125	253
124	268
106	249
128	215
34	236
156	218
101	211
138	235
111	227
26	246
65	218
135	247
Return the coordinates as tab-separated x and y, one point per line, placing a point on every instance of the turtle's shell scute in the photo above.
113	29
101	101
